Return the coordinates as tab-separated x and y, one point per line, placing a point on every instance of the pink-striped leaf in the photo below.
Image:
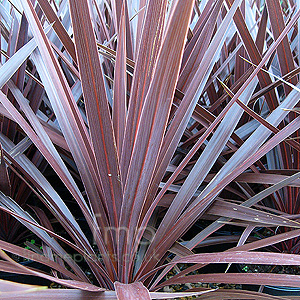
285	56
234	256
5	186
131	291
12	65
263	150
153	123
240	294
241	278
68	283
145	62
58	27
265	179
73	128
7	287
45	146
16	212
28	254
205	202
255	56
117	7
234	211
120	87
96	103
187	105
188	101
28	221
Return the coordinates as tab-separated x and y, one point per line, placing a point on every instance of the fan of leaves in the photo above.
154	115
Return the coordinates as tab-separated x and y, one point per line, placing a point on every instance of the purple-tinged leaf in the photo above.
216	240
202	166
252	201
265	179
255	56
261	34
235	256
289	129
54	203
141	15
47	251
96	103
274	84
7	287
175	295
145	62
222	294
183	113
285	56
22	40
35	227
245	235
152	125
28	254
120	87
13	64
11	205
117	7
110	53
55	136
31	292
58	27
253	245
187	218
289	100
46	147
66	282
38	293
66	61
73	128
102	23
192	84
261	243
57	87
131	291
200	48
180	250
275	140
235	211
257	117
198	29
242	278
5	186
182	116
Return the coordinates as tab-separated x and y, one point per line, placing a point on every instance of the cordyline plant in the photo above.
154	115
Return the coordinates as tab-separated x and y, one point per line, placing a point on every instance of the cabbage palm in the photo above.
167	112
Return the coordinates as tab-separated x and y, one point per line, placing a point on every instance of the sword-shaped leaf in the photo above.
66	282
152	124
194	180
5	186
235	211
145	62
285	56
120	87
58	27
131	291
99	117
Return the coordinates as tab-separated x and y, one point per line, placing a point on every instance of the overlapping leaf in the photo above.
125	131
